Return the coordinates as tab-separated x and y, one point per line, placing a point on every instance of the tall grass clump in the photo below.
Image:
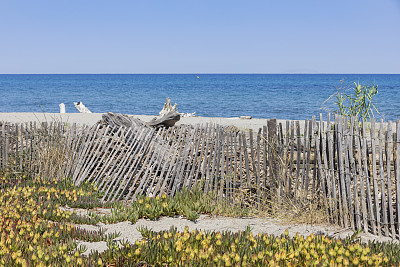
358	104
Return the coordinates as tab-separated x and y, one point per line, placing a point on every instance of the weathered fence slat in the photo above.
361	180
258	169
347	149
304	158
273	155
318	162
217	169
375	178
233	163
265	165
246	160
298	148
342	186
397	176
285	155
389	176
229	165
211	159
382	176
326	168
3	146
308	145
367	182
223	177
291	160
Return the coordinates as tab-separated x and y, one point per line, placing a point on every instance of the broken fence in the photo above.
354	166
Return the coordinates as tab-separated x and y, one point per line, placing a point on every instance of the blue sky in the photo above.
216	36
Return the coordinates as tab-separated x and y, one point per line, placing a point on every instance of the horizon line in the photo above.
194	73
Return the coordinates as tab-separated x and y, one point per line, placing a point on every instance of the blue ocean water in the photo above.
282	96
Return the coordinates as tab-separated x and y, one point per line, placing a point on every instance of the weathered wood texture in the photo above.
352	166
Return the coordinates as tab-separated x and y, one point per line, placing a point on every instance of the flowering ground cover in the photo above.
37	230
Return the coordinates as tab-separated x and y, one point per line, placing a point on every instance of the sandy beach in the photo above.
92	118
129	231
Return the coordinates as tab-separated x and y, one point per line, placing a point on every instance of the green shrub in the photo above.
359	104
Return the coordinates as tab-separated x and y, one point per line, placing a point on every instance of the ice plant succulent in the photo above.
37	230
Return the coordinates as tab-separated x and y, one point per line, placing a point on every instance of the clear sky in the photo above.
208	36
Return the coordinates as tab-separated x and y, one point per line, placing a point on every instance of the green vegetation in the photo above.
359	104
38	230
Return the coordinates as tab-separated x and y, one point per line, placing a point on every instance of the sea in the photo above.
282	96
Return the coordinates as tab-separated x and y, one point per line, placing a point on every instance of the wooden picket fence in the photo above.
351	167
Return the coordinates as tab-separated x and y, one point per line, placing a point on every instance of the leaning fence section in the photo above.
350	167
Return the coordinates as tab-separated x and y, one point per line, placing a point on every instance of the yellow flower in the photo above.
137	251
237	258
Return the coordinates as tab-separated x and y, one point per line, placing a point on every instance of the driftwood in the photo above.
81	107
117	120
167	120
167	108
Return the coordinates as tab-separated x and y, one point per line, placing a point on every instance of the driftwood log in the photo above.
116	120
167	120
168	107
81	107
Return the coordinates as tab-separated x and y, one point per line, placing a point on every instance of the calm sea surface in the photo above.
283	96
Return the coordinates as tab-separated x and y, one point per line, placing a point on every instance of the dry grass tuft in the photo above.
299	210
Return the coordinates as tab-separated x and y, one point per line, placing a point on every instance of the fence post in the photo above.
397	175
273	153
